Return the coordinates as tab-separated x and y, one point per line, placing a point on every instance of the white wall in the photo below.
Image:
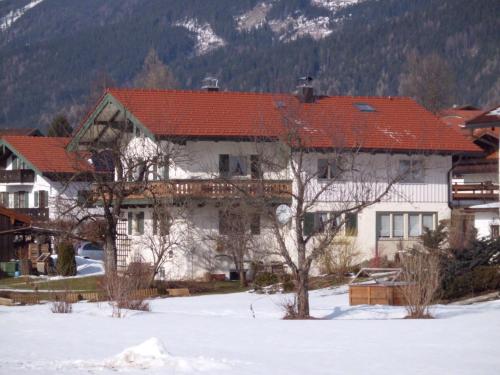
483	220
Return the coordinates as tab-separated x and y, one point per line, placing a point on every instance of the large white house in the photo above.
227	140
35	175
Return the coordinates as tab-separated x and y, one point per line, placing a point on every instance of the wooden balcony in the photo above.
276	190
475	192
38	214
20	176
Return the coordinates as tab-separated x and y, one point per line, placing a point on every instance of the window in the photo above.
404	224
495	231
317	222
411	170
161	171
4	199
161	224
135	223
328	169
414	228
232	165
23	199
351	224
43	198
384	227
230	223
364	107
36	198
398	225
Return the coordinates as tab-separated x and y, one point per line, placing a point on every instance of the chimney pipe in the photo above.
210	84
306	90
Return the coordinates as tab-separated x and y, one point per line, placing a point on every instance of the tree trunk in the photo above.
243	277
302	277
110	252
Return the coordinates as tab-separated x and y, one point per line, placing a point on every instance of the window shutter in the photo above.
130	223
155	223
36	199
255	224
26	200
351	224
140	223
224	165
43	199
308	223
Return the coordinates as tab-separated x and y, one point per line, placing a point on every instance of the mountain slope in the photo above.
52	51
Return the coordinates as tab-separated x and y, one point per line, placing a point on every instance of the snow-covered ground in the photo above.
243	334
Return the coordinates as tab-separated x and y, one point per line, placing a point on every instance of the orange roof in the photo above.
493	156
47	154
487	118
458	116
395	124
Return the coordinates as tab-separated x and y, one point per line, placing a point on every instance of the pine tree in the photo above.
59	127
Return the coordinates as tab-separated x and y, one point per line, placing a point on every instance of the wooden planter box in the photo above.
376	294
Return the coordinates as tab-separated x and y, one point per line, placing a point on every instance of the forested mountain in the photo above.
52	50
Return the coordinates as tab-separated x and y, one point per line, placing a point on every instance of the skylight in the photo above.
363	107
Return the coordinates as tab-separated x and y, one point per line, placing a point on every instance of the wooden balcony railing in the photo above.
17	176
217	189
476	191
38	214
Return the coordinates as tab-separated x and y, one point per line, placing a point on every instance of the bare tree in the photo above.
125	163
429	80
239	224
169	235
349	180
154	74
421	281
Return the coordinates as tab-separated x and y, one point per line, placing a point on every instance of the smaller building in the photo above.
10	220
35	174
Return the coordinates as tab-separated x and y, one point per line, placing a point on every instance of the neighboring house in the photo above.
486	126
34	175
33	132
223	135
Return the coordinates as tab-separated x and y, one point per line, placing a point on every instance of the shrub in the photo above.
340	257
265	279
480	279
61	307
66	263
287	283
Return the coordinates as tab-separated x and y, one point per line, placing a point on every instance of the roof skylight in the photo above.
363	107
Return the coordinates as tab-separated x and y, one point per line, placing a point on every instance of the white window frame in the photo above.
406	224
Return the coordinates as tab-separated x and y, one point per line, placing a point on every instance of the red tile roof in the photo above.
395	124
458	116
491	116
20	131
47	154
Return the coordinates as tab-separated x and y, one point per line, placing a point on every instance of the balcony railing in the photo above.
17	176
38	214
475	192
279	190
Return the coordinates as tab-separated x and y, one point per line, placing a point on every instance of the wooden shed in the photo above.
10	220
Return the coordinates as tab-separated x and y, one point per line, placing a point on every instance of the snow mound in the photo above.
152	354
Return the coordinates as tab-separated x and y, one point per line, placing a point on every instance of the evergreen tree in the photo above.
154	74
59	127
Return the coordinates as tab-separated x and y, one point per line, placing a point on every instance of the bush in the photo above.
66	263
264	279
61	307
480	279
287	282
